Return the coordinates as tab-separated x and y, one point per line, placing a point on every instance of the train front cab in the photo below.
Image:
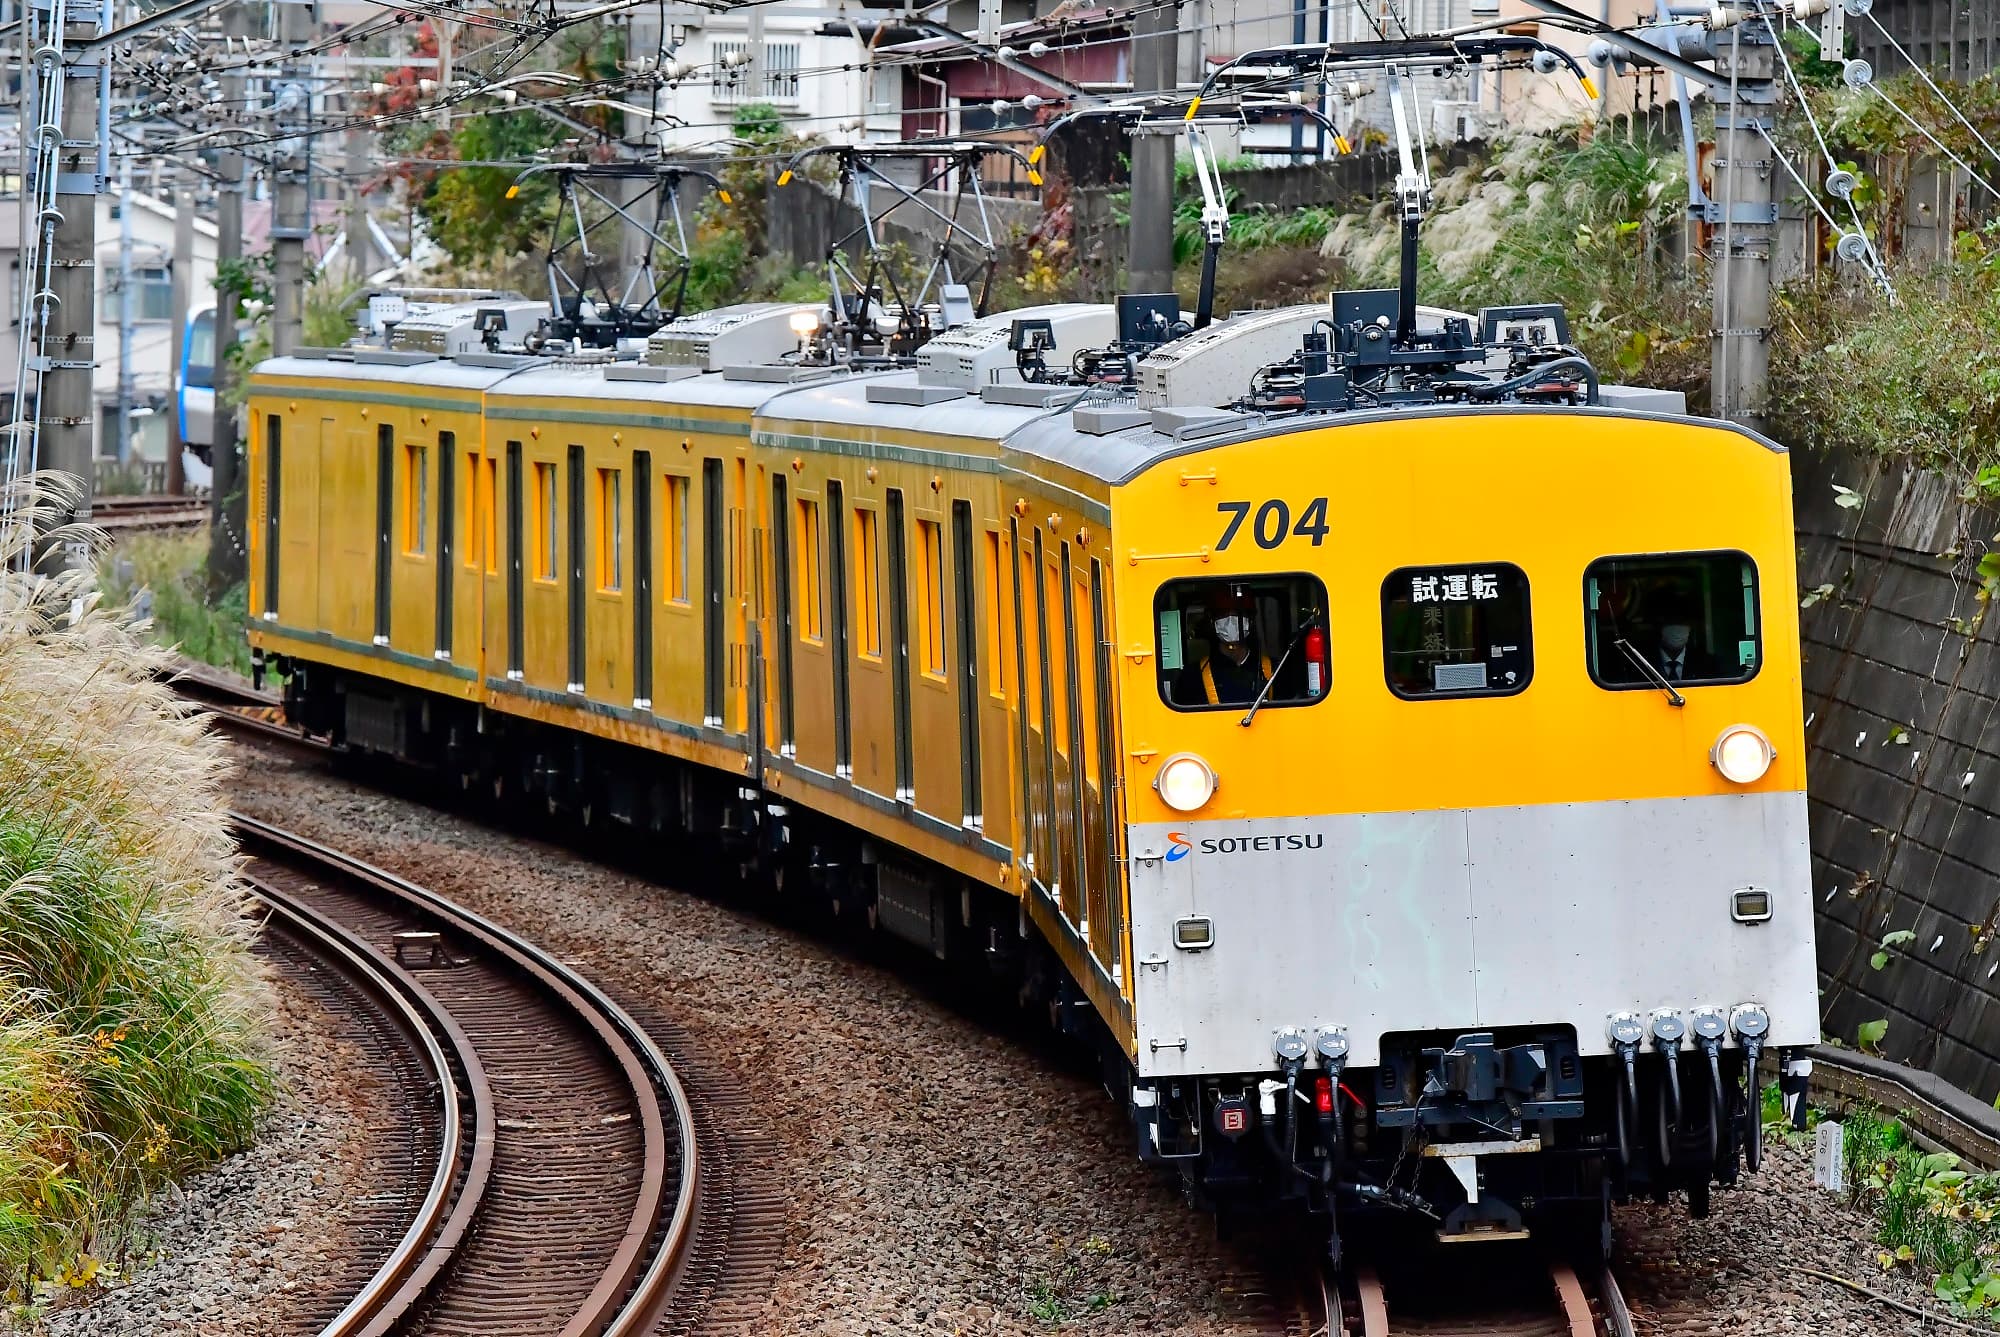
1488	872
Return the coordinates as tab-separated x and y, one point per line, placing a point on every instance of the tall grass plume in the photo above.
132	1016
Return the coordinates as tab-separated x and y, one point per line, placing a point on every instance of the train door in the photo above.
516	565
292	556
899	628
385	511
274	464
447	546
577	552
340	513
836	589
736	708
1107	898
965	583
713	568
1071	812
781	611
642	580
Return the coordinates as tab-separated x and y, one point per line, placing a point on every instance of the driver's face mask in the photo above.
1231	628
1674	637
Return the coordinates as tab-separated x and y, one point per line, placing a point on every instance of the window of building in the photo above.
416	499
1223	639
546	555
729	72
610	531
676	583
152	294
867	585
1456	631
810	595
1685	618
930	596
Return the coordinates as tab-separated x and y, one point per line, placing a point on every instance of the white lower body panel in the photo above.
1466	919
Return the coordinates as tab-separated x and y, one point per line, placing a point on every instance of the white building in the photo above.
806	60
152	371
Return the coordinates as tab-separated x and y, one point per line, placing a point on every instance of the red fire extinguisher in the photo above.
1317	669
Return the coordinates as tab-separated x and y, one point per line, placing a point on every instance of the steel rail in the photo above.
635	1287
385	1297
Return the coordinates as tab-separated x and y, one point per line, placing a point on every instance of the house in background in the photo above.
151	349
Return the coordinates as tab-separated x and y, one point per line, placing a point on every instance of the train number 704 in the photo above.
1273	522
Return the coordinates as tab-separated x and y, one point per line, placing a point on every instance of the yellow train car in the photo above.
1381	739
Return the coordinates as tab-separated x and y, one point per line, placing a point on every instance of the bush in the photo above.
131	1013
163	577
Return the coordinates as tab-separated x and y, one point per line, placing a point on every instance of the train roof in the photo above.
1114	442
417	370
898	401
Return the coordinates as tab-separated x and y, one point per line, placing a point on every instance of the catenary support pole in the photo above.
1149	263
68	384
291	221
1743	219
125	313
228	559
360	239
183	298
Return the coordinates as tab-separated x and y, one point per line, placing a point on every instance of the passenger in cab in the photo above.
1679	657
1236	670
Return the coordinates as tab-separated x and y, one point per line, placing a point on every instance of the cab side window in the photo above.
1680	618
1221	642
1450	631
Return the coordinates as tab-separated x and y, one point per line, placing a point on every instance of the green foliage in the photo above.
131	1015
165	575
1868	1036
1933	1214
469	210
1919	377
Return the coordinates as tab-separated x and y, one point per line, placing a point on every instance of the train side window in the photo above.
469	503
867	585
1222	640
1452	631
810	606
930	593
1688	618
996	617
545	520
416	499
677	538
610	531
489	505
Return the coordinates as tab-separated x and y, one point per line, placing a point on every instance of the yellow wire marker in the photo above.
723	195
785	177
512	191
1589	88
1035	154
1034	178
1340	143
1193	107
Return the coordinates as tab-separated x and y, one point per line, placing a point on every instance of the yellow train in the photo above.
1382	738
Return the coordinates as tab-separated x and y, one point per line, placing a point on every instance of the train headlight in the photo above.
1185	782
1742	754
805	324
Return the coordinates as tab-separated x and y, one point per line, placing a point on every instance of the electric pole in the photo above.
291	216
228	561
1743	219
68	392
183	296
360	241
1149	263
124	312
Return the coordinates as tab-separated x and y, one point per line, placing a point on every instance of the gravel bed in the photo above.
252	1245
948	1179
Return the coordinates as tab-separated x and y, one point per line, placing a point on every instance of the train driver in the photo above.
1236	670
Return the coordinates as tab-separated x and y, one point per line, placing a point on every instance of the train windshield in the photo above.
1688	618
200	369
1222	641
1456	631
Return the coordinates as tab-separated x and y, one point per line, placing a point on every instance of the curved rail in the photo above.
405	1000
636	1285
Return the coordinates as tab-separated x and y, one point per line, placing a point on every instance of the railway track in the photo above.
131	514
556	1147
1495	1292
